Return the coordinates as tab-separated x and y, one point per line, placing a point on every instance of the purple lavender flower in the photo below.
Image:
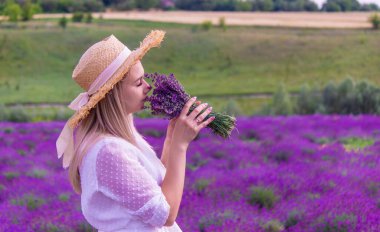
169	98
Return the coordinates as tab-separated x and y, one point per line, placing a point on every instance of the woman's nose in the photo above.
149	87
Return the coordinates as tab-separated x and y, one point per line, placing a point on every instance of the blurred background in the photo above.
301	76
243	57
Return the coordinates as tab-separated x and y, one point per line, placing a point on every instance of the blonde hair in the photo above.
108	117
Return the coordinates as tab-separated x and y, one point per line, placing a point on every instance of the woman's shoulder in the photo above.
115	142
109	145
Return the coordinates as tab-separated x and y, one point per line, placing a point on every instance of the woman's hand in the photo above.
169	131
186	127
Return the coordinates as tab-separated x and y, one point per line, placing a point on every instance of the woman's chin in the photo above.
136	110
143	107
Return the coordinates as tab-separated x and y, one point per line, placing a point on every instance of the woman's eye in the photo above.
140	83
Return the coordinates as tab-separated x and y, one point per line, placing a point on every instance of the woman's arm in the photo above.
173	183
185	130
164	155
168	141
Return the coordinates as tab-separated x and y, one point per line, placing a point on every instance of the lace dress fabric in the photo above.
121	188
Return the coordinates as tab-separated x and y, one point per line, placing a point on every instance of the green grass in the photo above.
262	197
31	201
11	175
273	226
21	113
248	106
36	61
356	143
201	185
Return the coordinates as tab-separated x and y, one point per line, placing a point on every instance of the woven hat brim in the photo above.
153	39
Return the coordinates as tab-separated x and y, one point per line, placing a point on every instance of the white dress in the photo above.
121	187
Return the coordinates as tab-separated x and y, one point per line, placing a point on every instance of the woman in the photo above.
123	185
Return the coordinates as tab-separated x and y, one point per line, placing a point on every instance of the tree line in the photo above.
346	97
67	6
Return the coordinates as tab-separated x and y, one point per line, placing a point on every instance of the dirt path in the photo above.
282	19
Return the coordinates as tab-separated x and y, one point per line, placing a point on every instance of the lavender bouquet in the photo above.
169	98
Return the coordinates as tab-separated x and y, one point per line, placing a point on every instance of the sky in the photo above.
320	2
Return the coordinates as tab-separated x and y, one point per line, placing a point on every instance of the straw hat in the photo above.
97	58
102	66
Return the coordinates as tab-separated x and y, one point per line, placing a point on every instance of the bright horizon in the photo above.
320	2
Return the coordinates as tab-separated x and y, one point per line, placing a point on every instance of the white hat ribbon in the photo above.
107	73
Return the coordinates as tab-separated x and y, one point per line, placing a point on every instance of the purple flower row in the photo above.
294	173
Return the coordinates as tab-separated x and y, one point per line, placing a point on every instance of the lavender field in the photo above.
298	173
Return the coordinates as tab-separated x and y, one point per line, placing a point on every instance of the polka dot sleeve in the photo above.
122	178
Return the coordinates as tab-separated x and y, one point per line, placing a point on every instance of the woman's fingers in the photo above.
202	116
205	123
197	110
187	106
200	113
